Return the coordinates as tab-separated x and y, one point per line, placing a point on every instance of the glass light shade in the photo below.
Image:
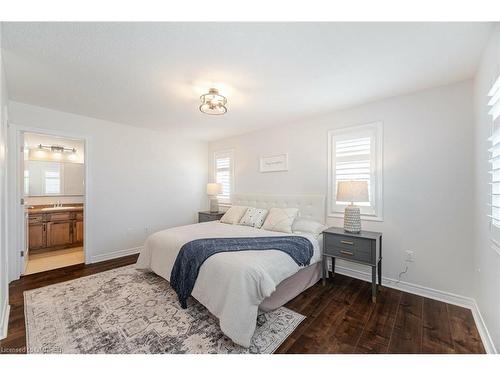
213	103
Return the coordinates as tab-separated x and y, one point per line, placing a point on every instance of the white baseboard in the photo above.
489	346
4	322
114	254
451	298
419	290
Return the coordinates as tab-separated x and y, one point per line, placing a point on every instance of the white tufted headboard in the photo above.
310	206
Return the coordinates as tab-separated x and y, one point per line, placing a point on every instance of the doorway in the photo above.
53	197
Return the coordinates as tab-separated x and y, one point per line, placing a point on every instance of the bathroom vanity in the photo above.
53	228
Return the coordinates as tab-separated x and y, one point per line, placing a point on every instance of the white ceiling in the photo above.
151	74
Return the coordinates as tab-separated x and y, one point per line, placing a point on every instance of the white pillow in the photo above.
254	217
233	215
301	225
280	219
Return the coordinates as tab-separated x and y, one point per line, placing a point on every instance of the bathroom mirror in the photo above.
52	178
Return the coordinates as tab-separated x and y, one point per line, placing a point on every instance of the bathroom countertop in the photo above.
43	209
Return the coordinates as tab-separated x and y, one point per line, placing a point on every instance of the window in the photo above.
494	103
52	182
355	153
223	174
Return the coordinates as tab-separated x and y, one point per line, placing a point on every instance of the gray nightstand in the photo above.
364	248
209	216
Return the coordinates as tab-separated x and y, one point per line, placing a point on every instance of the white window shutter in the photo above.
494	104
353	161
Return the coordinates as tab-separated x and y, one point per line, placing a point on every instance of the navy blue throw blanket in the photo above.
194	253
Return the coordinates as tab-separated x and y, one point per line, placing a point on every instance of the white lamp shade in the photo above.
214	189
352	191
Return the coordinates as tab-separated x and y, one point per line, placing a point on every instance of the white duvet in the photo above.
231	285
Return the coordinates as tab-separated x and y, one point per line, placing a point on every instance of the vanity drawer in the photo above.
35	219
59	216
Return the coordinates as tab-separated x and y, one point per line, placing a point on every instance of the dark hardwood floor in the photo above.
340	317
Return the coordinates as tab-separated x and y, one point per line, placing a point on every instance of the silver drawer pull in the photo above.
347	242
346	252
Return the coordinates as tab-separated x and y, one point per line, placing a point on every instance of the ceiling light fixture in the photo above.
213	103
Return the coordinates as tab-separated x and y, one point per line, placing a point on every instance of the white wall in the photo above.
487	258
427	177
4	288
138	178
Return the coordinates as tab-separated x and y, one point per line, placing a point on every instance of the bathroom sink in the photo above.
57	208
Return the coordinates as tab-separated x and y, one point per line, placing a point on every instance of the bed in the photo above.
234	285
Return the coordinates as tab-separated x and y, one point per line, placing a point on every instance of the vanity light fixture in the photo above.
213	103
57	149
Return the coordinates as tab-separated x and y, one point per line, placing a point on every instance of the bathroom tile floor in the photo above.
54	259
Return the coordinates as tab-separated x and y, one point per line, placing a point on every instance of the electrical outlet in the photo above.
147	229
410	256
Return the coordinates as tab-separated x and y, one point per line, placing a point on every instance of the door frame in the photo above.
15	225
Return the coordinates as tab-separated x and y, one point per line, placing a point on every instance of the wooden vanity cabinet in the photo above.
55	230
78	231
59	233
36	236
36	232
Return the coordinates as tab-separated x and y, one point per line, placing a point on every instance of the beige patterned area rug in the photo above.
128	311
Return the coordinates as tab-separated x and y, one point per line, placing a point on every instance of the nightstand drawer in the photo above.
349	254
207	216
349	243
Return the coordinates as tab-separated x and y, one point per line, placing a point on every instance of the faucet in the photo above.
57	204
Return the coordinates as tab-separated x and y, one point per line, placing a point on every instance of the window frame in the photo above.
223	201
337	211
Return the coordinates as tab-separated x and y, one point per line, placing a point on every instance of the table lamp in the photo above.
214	189
352	191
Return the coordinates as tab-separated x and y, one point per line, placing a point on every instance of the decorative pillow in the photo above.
233	215
280	219
254	217
301	225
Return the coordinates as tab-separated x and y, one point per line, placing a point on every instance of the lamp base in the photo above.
214	205
352	219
